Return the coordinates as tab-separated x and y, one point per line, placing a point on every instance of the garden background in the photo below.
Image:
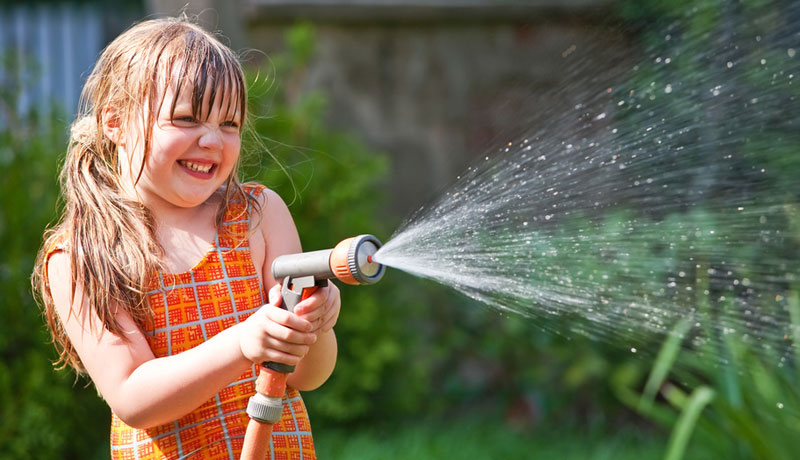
423	372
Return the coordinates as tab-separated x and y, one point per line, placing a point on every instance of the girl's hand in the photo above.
321	309
274	334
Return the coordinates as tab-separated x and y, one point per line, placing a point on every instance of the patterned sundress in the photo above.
190	308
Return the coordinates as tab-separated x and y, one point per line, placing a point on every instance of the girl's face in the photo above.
189	158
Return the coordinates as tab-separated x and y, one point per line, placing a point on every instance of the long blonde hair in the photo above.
111	238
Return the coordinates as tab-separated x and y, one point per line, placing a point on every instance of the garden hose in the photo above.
351	262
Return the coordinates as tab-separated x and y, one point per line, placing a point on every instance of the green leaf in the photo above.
682	432
664	360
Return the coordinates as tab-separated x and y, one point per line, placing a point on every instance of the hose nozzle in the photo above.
350	262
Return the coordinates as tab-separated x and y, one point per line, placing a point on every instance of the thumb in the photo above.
275	295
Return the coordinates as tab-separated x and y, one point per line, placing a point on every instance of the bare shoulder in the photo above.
59	272
271	212
69	302
277	232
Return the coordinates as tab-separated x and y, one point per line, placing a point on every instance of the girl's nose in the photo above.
211	139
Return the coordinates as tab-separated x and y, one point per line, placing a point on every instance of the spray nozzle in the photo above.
350	261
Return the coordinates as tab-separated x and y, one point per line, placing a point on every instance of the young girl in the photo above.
154	279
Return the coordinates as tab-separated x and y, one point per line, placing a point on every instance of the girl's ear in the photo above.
112	126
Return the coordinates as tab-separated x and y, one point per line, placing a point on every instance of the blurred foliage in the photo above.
726	394
45	414
744	406
481	438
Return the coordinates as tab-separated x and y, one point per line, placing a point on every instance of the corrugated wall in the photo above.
49	49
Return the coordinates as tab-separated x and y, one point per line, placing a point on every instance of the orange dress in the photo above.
190	308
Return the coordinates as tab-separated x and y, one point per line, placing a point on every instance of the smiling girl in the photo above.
154	278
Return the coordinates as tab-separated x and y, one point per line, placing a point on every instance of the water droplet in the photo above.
730	64
779	405
791	52
668	88
633	350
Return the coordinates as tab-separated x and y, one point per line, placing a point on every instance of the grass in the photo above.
485	439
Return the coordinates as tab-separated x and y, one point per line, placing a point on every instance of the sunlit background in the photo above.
591	210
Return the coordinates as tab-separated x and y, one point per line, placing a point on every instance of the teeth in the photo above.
203	168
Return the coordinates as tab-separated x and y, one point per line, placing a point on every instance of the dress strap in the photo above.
236	222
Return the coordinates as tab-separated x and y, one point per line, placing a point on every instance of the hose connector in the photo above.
265	409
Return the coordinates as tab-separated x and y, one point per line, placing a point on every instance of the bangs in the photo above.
207	67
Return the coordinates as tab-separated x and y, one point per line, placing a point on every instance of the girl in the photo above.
153	280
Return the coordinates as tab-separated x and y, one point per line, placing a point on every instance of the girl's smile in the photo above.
197	168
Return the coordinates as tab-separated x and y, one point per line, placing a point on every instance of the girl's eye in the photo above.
230	124
183	121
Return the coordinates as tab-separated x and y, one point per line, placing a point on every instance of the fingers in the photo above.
321	307
280	352
285	325
330	315
274	295
274	334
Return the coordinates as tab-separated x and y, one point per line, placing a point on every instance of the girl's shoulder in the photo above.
268	212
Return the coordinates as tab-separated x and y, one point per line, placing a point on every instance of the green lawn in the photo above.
468	439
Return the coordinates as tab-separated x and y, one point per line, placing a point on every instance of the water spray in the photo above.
351	262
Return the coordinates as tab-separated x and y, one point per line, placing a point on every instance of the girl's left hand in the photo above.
321	309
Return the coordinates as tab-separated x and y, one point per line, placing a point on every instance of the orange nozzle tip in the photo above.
338	262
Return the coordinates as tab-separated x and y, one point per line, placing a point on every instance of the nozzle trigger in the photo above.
293	289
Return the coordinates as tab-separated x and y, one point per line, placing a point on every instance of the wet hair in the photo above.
109	236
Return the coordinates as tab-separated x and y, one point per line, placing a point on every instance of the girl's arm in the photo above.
145	391
321	309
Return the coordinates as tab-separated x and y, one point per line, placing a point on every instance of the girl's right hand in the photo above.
275	334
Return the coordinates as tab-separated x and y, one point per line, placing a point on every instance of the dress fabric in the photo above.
189	308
